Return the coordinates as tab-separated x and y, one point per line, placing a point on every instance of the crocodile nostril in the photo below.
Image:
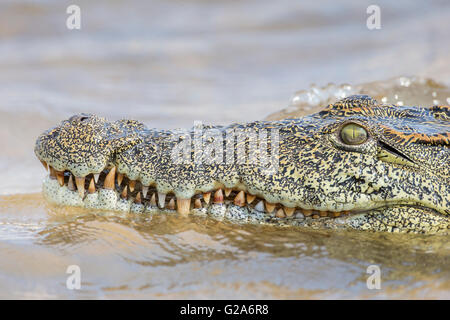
83	118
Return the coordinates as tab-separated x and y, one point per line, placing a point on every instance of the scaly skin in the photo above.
356	164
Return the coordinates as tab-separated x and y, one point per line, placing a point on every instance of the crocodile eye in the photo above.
353	133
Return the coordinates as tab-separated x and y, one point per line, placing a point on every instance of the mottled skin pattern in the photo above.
396	179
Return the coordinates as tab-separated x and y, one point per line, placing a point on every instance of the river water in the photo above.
169	63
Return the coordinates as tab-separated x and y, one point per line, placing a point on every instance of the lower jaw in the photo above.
111	200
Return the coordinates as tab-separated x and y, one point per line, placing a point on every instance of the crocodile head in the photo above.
356	164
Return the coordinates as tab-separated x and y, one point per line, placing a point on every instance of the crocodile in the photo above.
355	165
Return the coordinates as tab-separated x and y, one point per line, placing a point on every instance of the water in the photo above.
168	63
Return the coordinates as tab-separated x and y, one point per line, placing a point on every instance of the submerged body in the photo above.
356	164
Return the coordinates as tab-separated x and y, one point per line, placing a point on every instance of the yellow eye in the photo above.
353	134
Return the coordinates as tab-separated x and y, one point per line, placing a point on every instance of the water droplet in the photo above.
346	87
405	82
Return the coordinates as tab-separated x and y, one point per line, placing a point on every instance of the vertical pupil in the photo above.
353	134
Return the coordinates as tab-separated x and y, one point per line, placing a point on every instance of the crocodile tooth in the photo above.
299	215
52	173
153	200
239	200
270	207
131	185
206	197
289	211
250	198
218	196
227	191
161	199
60	177
45	165
306	212
280	213
323	213
197	203
80	185
119	178
124	193
183	206
335	214
91	188
138	198
260	206
171	204
96	176
70	184
144	191
110	179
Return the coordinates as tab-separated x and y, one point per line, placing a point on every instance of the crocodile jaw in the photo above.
316	177
419	219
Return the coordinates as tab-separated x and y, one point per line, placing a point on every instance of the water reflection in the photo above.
208	249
